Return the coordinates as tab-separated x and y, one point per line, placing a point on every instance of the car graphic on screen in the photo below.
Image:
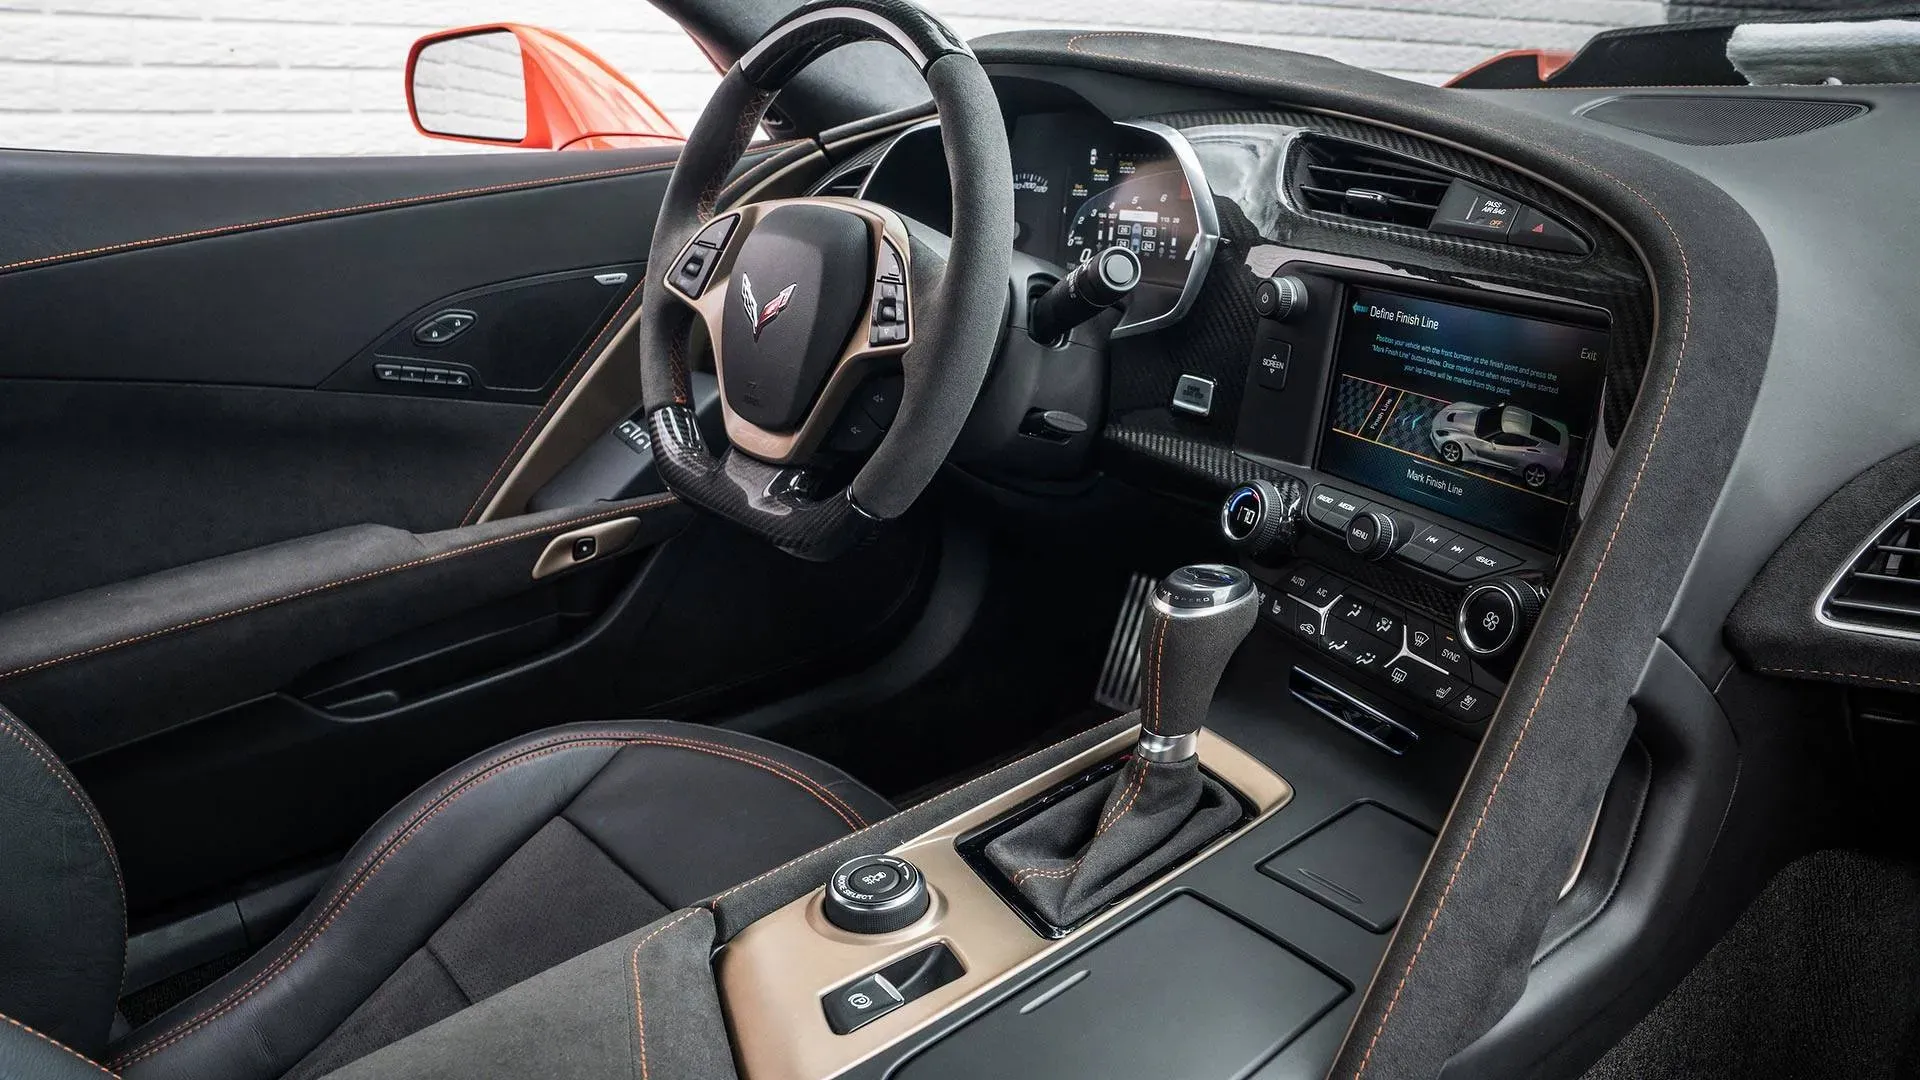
1504	437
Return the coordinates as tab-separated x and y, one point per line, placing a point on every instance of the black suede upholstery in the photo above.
63	926
506	865
110	665
1098	845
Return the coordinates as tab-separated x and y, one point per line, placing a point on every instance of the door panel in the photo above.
243	588
106	667
109	481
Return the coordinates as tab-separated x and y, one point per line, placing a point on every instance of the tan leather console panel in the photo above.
773	975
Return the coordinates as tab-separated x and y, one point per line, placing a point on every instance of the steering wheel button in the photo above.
715	235
880	399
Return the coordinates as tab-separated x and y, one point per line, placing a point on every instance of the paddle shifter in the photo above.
1096	845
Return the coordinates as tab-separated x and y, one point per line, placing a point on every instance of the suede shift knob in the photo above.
1198	617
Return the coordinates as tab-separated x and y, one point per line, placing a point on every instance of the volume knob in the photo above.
1280	298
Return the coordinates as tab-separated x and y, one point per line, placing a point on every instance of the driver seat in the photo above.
504	865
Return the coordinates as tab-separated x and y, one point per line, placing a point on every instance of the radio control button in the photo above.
1487	560
1454	550
1430	540
1332	507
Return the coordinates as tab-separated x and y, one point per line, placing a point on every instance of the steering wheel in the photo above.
810	303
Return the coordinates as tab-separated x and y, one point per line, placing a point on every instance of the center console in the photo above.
1429	446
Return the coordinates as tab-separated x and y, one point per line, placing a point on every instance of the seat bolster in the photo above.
404	877
26	1054
63	926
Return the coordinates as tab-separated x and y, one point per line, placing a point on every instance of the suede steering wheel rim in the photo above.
804	299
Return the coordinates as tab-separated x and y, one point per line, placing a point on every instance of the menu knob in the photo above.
1372	534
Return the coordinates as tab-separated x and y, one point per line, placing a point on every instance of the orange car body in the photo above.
575	100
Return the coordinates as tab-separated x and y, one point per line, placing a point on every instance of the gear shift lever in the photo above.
1200	615
1091	848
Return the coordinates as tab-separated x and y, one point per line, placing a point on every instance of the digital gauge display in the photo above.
1140	201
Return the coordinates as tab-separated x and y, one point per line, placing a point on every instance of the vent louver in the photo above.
1879	591
1334	176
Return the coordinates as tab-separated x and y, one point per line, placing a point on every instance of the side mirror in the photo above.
506	84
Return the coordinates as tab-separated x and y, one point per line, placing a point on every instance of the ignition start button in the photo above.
874	894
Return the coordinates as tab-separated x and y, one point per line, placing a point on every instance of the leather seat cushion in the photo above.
508	864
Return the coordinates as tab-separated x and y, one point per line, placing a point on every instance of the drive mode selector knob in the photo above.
1372	534
1495	616
874	894
1263	518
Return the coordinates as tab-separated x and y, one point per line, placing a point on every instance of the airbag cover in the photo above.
798	286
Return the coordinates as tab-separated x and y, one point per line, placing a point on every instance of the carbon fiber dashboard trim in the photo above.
1216	338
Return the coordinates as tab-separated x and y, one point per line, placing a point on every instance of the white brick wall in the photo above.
324	76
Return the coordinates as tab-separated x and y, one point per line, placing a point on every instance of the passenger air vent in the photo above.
1335	176
1879	591
846	183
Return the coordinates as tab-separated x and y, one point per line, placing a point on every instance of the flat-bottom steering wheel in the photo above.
810	304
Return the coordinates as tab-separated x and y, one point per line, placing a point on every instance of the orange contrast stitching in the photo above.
343	211
1633	490
316	215
817	787
714	902
1112	818
312	590
639	1006
399	839
9	723
1159	654
1837	675
50	1040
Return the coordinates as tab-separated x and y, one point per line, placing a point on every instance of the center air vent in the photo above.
1335	176
1879	591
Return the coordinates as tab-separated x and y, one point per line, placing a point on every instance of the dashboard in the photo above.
1441	377
1081	184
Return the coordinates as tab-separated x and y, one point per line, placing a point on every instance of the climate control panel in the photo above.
1383	645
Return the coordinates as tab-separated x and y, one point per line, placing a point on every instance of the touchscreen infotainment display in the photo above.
1479	415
